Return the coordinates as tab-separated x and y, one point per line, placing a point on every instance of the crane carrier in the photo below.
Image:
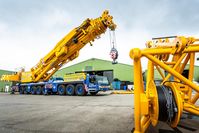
67	49
77	83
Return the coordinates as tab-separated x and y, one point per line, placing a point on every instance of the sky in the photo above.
30	29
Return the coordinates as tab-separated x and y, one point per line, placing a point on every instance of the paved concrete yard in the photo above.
103	113
55	114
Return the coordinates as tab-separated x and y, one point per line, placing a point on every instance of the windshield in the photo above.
102	80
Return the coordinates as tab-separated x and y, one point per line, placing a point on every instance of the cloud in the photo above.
30	29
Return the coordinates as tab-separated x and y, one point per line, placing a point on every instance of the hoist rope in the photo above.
112	38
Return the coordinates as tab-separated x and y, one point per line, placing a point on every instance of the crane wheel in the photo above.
45	91
26	90
61	90
70	89
33	90
80	90
39	90
21	90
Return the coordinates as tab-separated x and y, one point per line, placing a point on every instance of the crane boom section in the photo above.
66	49
167	98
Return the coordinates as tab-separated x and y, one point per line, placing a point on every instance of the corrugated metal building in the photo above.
120	71
3	84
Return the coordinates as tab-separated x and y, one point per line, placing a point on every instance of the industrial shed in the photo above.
3	84
122	72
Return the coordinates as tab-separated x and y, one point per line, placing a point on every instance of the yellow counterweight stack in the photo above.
75	77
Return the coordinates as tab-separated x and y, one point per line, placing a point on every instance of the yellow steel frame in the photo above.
171	55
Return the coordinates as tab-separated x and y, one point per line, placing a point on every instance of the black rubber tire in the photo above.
33	90
70	90
39	90
25	90
45	93
81	92
21	90
93	93
63	88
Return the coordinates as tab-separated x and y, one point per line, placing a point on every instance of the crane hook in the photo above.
113	52
114	55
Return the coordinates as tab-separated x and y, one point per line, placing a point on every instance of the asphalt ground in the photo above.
107	113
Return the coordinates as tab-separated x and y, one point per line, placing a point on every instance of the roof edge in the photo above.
95	59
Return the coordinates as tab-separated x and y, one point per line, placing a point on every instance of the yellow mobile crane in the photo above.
166	101
37	80
67	49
